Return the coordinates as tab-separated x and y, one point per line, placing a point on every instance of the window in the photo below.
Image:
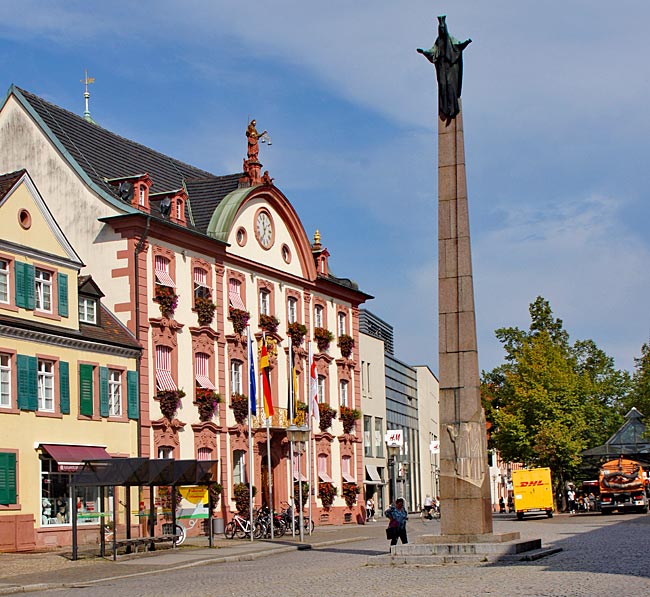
4	281
342	328
321	389
379	435
343	393
367	435
201	373
5	381
56	502
204	454
235	377
367	380
141	196
114	393
346	469
265	302
45	386
323	472
179	209
292	309
318	316
87	310
238	466
363	376
162	272
165	452
164	379
234	294
201	289
43	290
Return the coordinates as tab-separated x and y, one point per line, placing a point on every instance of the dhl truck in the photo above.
533	491
623	486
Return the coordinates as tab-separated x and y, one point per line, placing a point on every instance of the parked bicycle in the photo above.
240	527
287	512
429	513
179	531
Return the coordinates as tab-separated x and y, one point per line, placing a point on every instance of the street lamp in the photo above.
393	453
299	435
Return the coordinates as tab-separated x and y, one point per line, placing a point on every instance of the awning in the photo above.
295	477
204	382
348	477
235	300
324	477
372	473
165	279
164	380
71	458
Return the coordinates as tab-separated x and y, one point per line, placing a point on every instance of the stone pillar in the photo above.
464	475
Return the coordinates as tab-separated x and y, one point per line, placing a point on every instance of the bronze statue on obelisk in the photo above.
464	478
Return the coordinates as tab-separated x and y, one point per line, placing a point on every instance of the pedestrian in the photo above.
502	505
428	506
370	509
397	517
571	499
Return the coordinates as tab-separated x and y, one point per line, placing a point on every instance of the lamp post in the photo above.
393	453
299	435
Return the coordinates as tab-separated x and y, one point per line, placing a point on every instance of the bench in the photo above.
136	542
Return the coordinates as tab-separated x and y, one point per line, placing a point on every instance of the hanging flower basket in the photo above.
239	319
242	497
302	407
167	300
327	491
169	401
296	331
346	344
306	490
323	338
349	493
269	323
348	416
204	309
239	405
206	401
327	414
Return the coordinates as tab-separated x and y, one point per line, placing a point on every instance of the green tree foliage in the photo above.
551	400
640	394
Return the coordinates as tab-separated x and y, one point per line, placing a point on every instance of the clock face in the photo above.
264	229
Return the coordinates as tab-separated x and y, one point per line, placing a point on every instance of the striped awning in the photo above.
301	478
165	279
164	380
204	382
324	477
235	300
347	477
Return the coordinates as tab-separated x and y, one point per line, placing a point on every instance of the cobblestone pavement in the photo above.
601	556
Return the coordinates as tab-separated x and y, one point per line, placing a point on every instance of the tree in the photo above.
550	400
639	395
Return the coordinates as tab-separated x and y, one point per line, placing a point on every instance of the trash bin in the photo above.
218	526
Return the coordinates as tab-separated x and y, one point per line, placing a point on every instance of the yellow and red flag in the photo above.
265	371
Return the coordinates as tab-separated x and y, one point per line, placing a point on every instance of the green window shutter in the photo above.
103	391
64	388
133	399
30	297
8	493
62	285
86	390
27	382
21	291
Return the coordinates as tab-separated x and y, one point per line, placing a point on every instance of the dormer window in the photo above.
87	310
179	210
142	196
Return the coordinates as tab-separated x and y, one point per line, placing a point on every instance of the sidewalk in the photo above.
49	570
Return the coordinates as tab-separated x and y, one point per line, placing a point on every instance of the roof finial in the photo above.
317	244
87	81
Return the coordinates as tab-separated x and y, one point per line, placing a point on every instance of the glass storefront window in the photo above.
56	506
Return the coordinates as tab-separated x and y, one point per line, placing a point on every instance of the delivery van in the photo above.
533	492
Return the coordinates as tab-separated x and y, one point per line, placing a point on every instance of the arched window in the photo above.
235	377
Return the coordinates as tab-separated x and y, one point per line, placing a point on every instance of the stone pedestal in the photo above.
464	478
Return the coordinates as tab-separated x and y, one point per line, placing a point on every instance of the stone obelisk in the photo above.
464	478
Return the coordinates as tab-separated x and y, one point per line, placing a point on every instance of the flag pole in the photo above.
291	416
268	457
251	390
310	464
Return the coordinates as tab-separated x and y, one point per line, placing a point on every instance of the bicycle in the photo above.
240	527
430	514
179	531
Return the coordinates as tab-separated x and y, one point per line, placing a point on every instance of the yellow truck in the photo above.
533	491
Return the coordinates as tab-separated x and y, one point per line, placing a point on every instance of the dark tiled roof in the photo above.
105	155
7	181
110	330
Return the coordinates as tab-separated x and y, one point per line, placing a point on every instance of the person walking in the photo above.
397	517
370	509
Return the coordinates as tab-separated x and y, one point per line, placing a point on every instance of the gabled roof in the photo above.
8	181
629	440
99	154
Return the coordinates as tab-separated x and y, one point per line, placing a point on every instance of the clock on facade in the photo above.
264	229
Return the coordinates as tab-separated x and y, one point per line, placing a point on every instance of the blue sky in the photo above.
555	101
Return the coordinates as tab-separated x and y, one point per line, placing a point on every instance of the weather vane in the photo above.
87	81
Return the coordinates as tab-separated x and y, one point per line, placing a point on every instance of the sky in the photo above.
556	119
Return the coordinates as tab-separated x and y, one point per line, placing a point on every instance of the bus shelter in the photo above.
140	472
